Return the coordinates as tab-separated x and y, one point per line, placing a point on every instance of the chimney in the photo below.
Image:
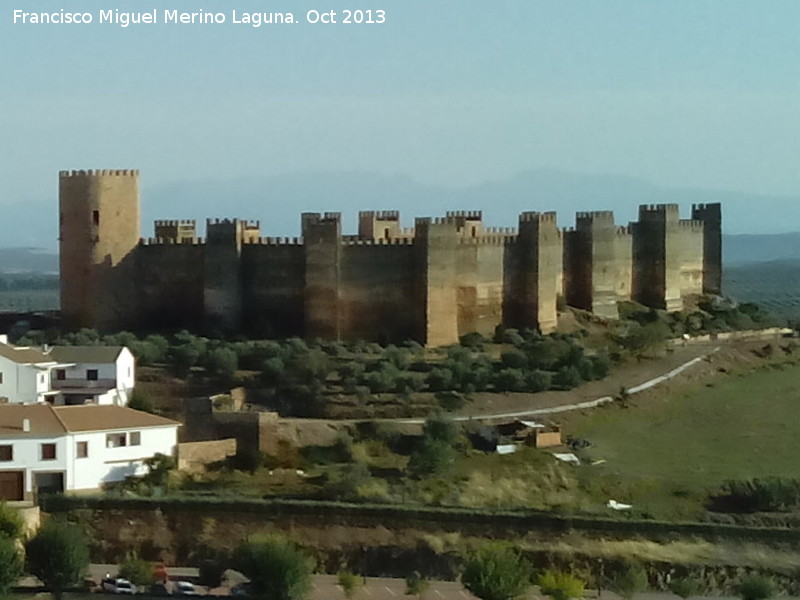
26	425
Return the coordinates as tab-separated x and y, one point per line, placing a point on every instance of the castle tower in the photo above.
176	232
222	292
536	274
656	257
98	233
382	224
598	264
322	241
711	216
435	243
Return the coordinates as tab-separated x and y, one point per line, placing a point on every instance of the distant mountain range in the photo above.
277	201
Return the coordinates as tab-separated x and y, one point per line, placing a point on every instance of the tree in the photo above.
222	363
142	401
277	569
496	572
431	457
58	555
159	467
136	570
684	587
631	580
560	585
211	571
416	585
11	564
350	583
755	587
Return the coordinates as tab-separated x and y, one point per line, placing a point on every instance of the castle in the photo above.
442	279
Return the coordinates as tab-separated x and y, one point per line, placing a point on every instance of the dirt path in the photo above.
684	364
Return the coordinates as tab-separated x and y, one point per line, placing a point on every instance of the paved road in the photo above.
384	588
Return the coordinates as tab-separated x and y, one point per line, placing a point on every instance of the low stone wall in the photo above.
194	456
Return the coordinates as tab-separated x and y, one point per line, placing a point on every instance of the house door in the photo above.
11	485
49	483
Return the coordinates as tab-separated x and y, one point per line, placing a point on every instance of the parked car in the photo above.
117	585
242	589
185	588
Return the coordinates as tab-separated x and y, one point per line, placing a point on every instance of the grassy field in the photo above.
665	455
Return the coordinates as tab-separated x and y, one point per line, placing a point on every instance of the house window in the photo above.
1	377
136	438
61	374
96	217
115	440
48	452
91	374
6	452
82	449
41	378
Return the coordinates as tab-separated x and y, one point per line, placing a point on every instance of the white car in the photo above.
118	585
184	588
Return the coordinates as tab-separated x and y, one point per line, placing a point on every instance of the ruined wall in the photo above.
378	290
195	456
273	287
169	284
98	231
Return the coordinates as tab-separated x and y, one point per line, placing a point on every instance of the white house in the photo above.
76	448
92	374
24	374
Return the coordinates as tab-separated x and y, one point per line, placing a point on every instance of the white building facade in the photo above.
92	375
46	448
24	374
66	375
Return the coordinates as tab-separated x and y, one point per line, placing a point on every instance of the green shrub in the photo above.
755	587
496	572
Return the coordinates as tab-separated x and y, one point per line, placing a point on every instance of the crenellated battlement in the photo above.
274	241
695	224
500	231
593	215
99	173
446	275
484	240
158	241
380	215
472	215
400	241
542	217
175	222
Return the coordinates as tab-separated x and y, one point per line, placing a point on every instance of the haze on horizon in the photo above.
684	94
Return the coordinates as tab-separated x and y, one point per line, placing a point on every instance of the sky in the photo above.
680	93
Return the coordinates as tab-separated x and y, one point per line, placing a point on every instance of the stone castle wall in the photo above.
444	278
